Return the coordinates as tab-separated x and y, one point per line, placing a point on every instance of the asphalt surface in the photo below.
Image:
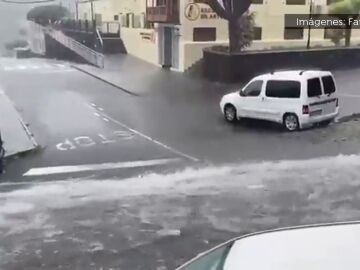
188	179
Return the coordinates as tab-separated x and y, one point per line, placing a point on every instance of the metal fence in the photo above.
36	38
88	54
109	28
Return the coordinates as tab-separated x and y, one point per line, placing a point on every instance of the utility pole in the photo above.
309	27
92	9
77	10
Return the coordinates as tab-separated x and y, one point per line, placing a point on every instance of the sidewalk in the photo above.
138	78
15	135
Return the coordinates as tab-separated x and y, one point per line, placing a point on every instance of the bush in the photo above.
336	35
16	44
46	14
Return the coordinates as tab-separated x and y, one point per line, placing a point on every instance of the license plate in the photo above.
316	113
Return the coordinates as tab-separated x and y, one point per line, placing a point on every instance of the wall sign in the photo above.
148	36
194	11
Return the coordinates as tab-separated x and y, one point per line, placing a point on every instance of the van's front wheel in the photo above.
230	113
291	122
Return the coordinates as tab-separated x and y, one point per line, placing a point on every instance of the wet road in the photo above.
93	135
161	221
76	134
82	121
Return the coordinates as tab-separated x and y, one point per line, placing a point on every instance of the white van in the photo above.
296	99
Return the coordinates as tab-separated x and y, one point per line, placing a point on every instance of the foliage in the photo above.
45	14
348	7
246	30
16	44
336	35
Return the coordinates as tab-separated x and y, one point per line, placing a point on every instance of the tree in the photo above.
44	14
348	11
16	44
232	11
246	31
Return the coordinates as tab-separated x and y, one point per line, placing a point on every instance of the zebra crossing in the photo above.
8	66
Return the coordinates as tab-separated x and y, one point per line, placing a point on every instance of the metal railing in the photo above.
36	38
109	27
88	54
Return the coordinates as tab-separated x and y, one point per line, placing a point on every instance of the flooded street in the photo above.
88	224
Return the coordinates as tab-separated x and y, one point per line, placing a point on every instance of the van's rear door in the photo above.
329	88
321	100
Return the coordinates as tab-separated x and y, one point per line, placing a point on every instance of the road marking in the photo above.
256	186
100	109
8	68
175	151
105	119
350	95
96	114
97	167
87	141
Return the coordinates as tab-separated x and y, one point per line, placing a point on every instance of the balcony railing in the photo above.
167	12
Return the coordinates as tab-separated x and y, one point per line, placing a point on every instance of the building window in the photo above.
295	2
160	3
257	33
204	34
116	17
293	33
257	2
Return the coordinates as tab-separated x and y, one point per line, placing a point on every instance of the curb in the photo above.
27	130
105	81
22	153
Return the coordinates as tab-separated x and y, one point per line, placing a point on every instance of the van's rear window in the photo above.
329	84
314	87
283	89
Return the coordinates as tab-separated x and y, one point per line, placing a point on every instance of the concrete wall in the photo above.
243	66
137	44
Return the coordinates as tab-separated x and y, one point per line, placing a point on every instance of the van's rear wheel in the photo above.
291	122
230	113
325	123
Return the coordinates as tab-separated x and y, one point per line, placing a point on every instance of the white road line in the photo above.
105	119
256	187
100	109
148	137
96	114
349	95
97	167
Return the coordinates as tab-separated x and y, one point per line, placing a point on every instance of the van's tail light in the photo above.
305	109
337	102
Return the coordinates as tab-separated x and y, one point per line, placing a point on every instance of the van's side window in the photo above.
314	87
329	84
253	89
283	89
